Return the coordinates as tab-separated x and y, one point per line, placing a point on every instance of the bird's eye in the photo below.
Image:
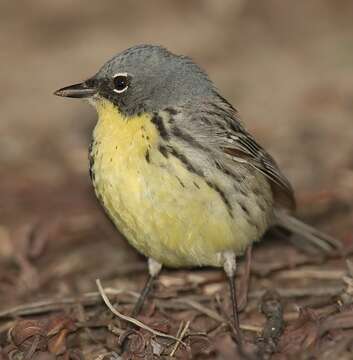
121	82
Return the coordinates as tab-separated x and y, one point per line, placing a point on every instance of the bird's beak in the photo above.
80	91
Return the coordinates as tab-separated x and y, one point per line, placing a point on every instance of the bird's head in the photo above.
144	78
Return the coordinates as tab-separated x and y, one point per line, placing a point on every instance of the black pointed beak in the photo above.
80	91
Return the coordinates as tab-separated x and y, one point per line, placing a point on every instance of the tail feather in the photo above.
302	231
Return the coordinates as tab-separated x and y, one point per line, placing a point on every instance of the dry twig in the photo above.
130	319
181	333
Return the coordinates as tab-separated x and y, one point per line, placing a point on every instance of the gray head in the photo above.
145	78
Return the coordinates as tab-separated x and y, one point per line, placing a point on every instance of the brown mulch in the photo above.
60	243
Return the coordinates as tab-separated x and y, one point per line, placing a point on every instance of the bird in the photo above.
176	170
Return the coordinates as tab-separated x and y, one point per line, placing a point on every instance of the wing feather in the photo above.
215	124
241	146
244	147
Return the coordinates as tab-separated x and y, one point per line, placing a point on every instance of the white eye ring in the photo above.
121	82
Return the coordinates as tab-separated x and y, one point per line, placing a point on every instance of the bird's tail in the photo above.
305	235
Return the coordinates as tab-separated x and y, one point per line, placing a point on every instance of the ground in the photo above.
287	67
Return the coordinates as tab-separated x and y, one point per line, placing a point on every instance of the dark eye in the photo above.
121	83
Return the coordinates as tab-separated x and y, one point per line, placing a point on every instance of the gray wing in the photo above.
214	126
228	134
241	146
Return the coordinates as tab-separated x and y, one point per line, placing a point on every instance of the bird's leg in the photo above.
154	269
229	267
245	280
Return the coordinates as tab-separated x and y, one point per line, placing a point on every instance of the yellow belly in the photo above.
164	211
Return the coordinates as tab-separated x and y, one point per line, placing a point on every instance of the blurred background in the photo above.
287	66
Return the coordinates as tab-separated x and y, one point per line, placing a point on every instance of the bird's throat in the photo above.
119	134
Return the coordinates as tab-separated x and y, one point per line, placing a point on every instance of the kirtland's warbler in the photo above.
175	169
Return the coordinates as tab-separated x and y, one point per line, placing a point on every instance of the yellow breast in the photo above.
164	210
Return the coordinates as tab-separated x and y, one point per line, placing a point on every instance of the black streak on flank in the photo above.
206	120
180	182
158	122
91	161
244	208
222	195
185	161
91	173
163	150
171	111
147	156
196	184
187	138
